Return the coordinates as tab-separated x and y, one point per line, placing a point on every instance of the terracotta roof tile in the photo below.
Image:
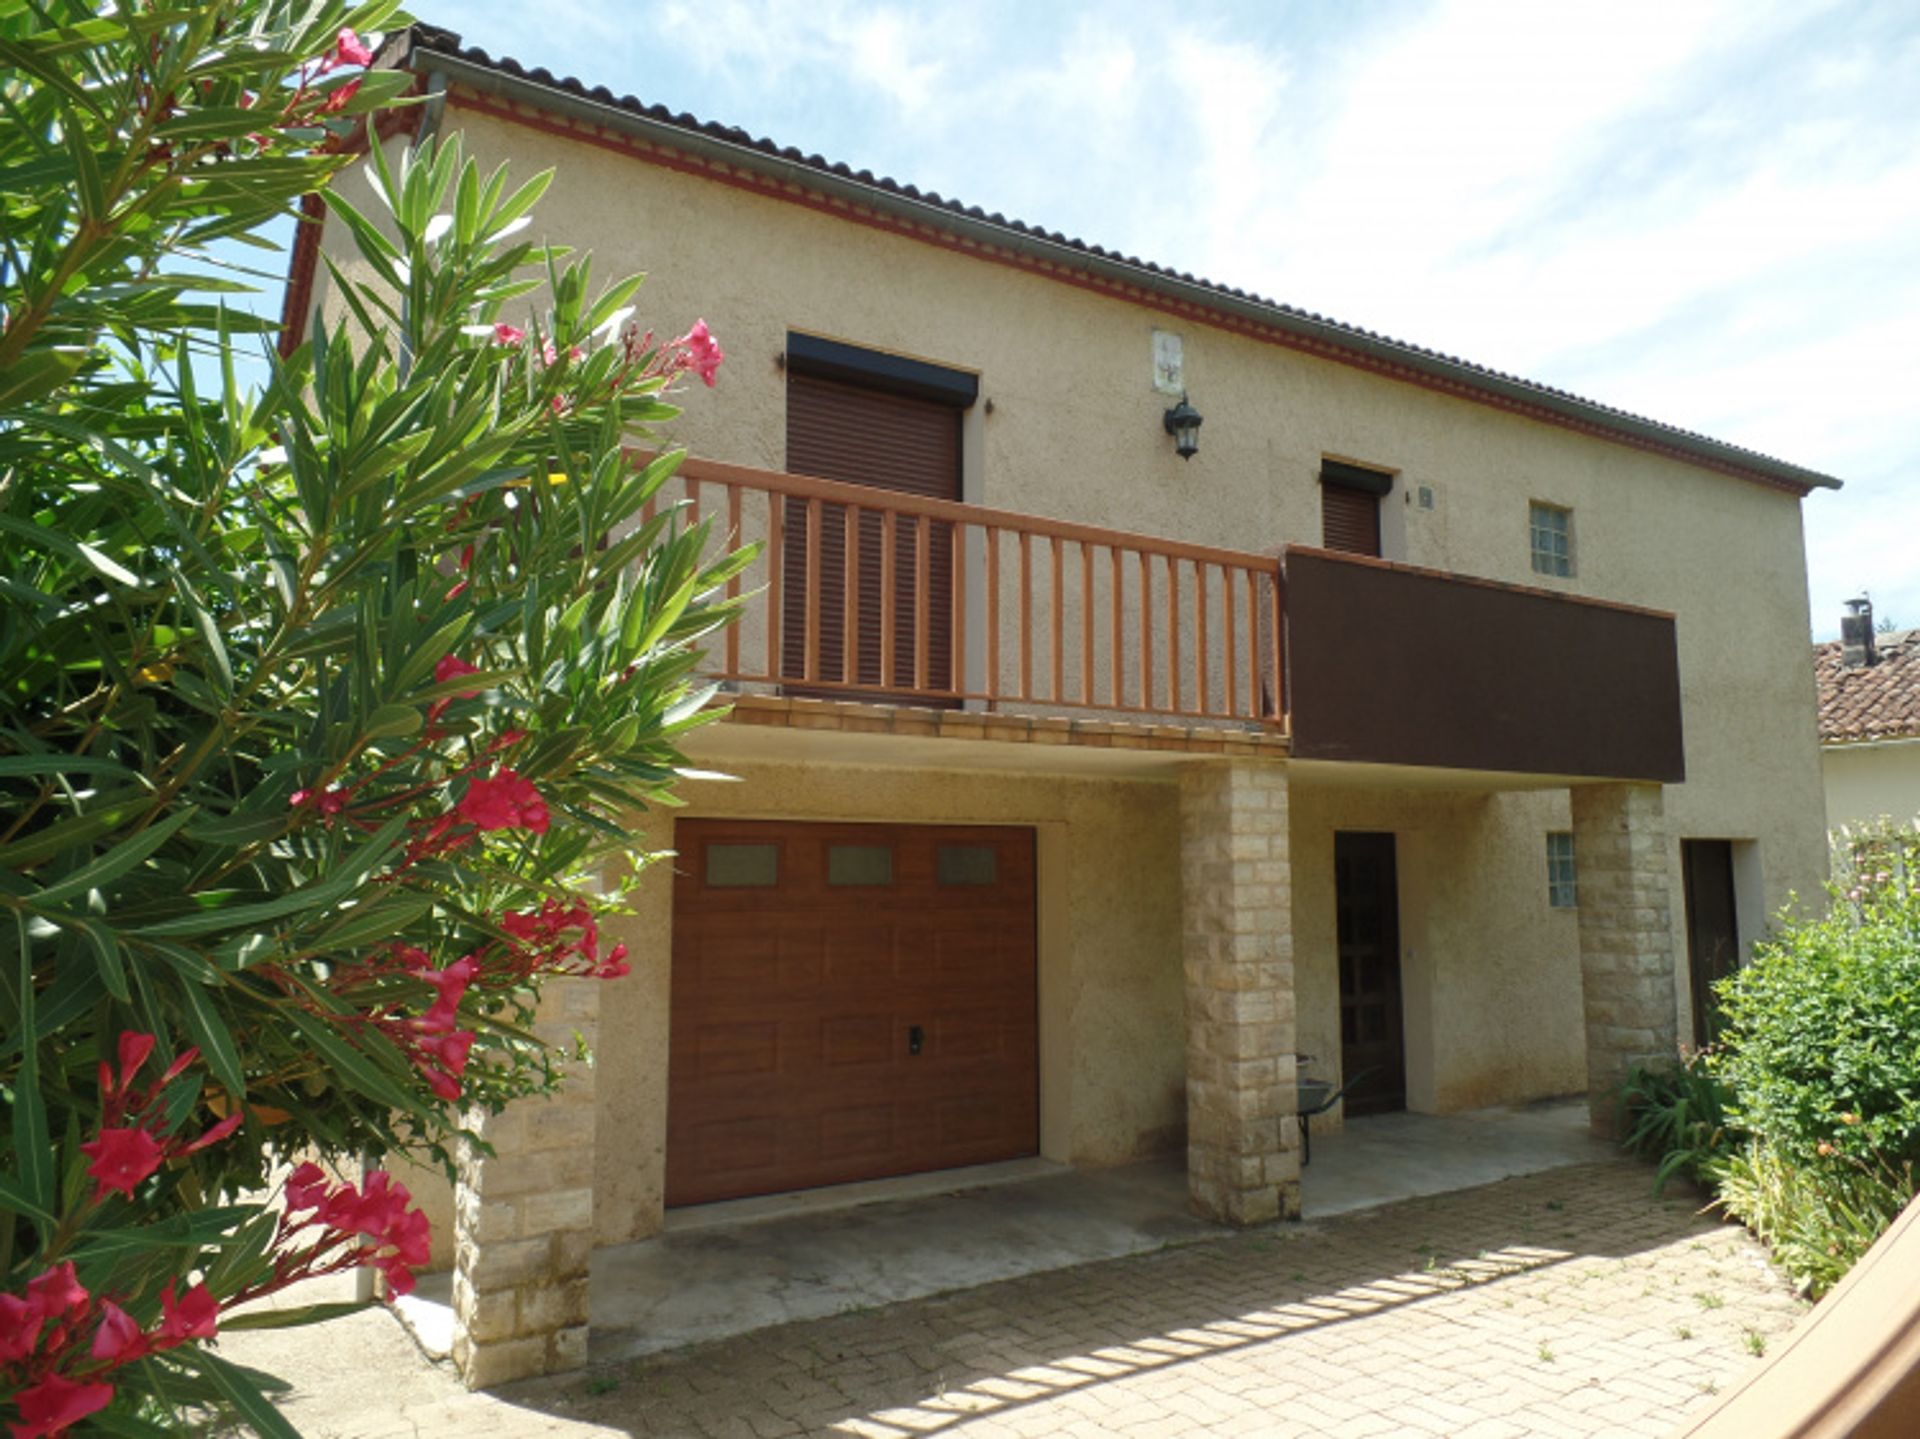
1871	702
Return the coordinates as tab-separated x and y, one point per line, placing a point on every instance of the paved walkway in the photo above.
1561	1304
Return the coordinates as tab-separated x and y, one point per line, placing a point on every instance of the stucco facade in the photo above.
1186	912
1872	781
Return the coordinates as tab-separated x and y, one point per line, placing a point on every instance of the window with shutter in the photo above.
887	441
1349	520
1350	506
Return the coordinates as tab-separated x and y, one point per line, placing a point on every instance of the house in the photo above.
1088	774
1869	687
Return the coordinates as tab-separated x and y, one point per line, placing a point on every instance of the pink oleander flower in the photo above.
337	100
57	1292
20	1323
703	353
451	667
55	1404
504	802
195	1315
118	1339
327	802
348	49
449	985
122	1158
505	334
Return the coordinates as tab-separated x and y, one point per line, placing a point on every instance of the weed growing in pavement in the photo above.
1709	1301
1756	1343
1546	1355
1682	1331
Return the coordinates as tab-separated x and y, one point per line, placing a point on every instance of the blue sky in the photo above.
1704	211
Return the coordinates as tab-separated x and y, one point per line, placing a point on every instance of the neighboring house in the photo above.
1084	783
1869	722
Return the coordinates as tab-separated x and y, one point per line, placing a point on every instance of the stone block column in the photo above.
523	1218
1243	1159
1626	938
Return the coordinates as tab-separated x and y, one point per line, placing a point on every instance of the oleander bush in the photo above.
324	703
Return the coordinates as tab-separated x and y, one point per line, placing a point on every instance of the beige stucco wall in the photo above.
1867	782
1490	973
1074	432
1112	1057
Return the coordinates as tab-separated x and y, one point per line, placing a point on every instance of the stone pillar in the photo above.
1243	1159
523	1218
1626	938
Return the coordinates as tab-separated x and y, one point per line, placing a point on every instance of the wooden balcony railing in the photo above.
867	594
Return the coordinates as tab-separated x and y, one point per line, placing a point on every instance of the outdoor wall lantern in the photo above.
1183	423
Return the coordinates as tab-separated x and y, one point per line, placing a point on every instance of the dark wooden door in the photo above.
1349	520
1713	932
849	1001
1366	899
890	442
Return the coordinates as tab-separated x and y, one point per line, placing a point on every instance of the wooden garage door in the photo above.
849	1001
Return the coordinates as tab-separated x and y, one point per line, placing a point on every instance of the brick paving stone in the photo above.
1424	1318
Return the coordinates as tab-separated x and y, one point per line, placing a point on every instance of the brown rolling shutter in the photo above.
1350	520
894	442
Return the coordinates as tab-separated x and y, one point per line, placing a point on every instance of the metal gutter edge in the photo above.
489	80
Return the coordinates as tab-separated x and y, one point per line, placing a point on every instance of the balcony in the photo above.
975	619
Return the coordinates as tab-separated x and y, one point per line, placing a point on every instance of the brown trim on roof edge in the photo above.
303	265
770	187
300	272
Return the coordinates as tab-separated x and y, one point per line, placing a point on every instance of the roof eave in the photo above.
488	79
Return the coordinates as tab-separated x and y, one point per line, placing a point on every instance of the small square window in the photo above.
743	866
1551	528
849	864
1563	890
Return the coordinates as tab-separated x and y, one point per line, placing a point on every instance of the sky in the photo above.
1706	213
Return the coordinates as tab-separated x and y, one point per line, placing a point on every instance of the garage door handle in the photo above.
916	1037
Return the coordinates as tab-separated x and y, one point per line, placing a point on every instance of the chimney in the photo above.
1856	635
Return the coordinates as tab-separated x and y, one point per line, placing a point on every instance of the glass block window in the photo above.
1552	531
967	864
1563	892
859	864
743	866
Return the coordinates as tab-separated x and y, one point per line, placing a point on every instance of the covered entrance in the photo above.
849	1001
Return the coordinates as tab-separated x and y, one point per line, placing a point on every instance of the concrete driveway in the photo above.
1566	1303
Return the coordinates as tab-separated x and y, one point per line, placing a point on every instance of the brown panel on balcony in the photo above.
1388	664
886	442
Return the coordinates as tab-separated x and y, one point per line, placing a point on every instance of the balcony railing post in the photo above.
850	595
993	614
1173	635
734	541
1057	603
888	597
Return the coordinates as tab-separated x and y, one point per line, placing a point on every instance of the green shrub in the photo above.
1821	1053
1818	1218
1675	1117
